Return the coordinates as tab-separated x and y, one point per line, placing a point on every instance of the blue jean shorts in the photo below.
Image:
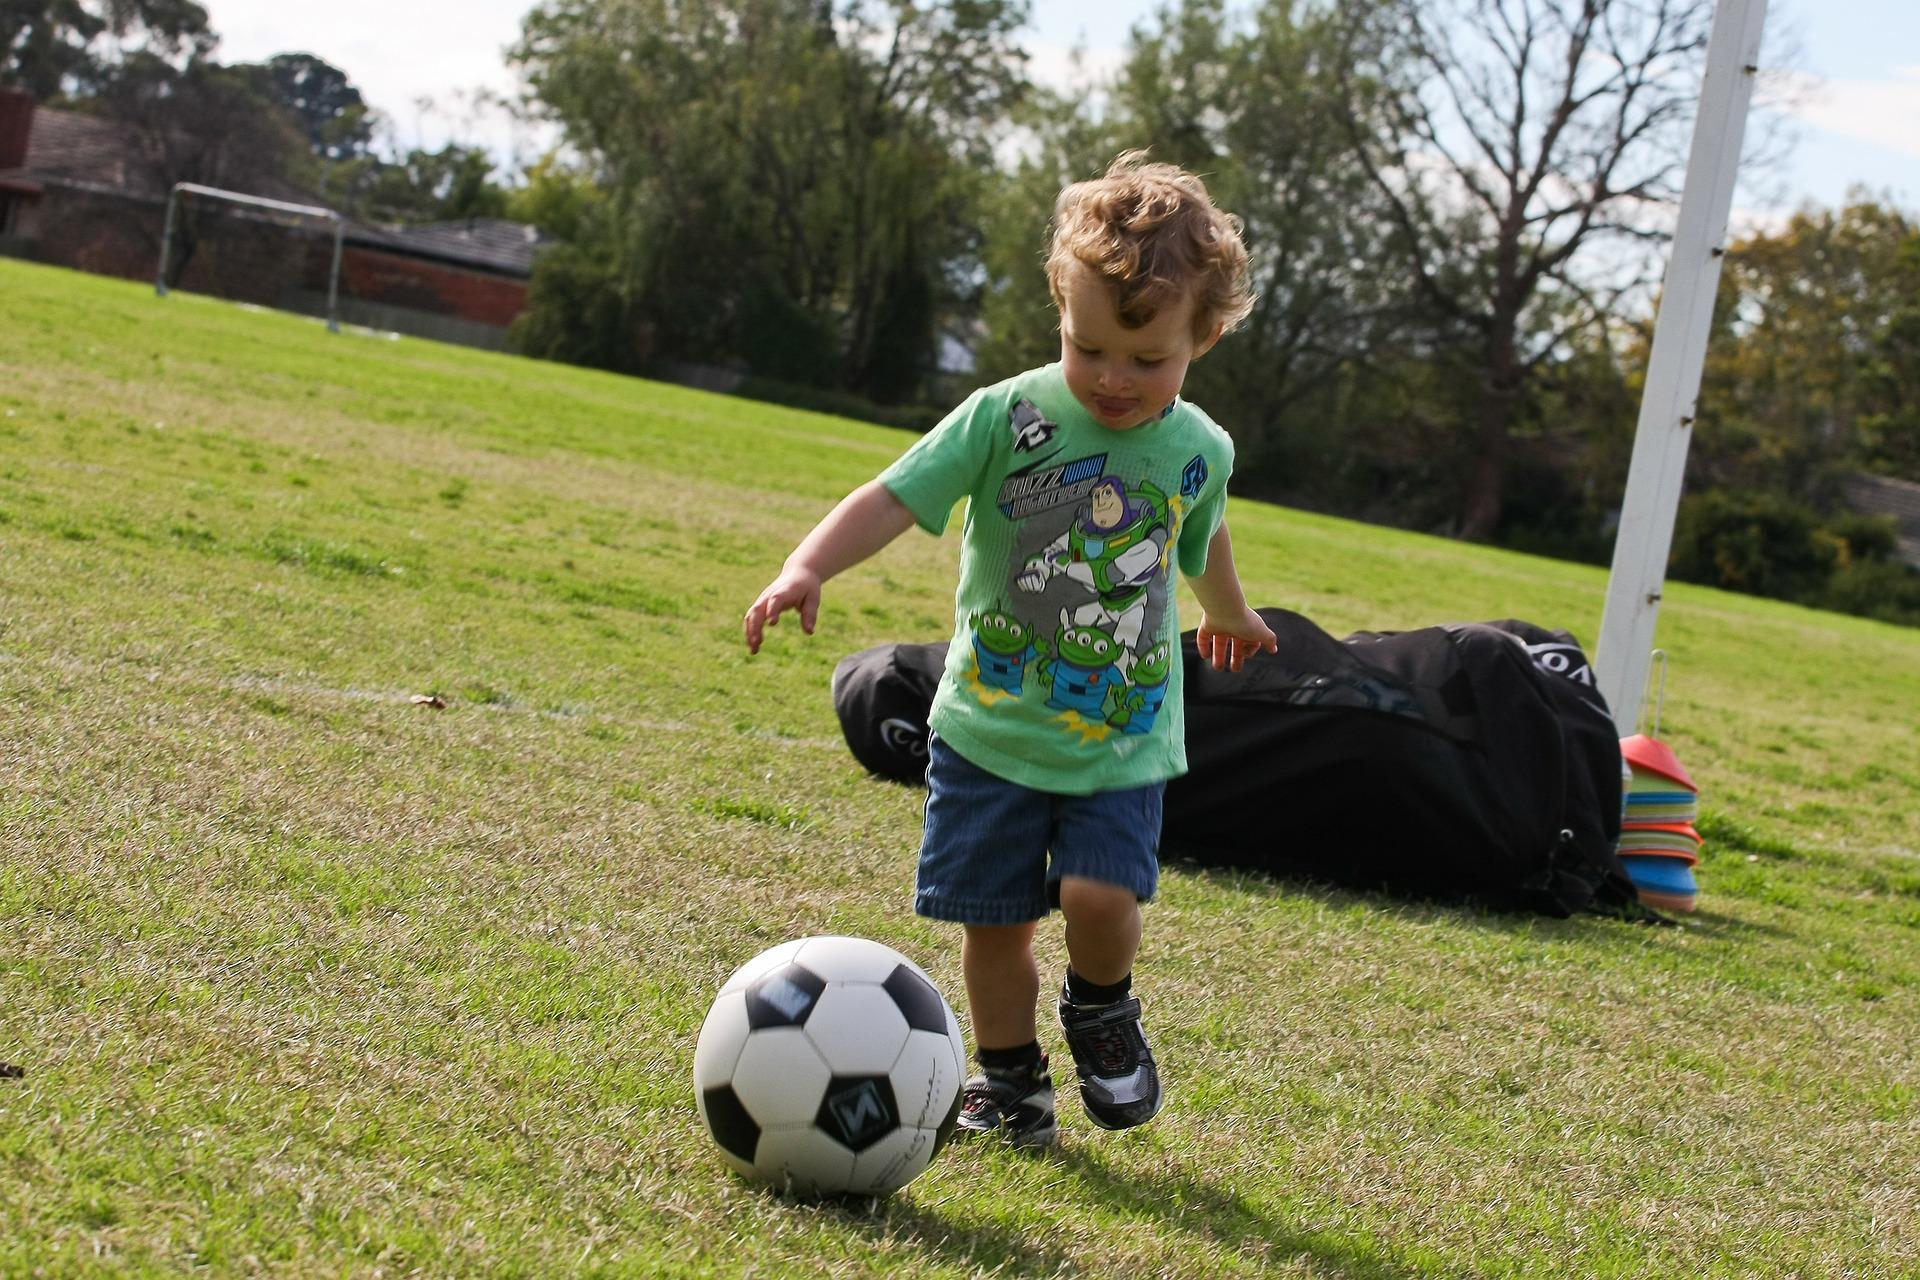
985	856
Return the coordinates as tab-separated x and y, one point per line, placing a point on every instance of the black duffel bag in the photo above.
1465	761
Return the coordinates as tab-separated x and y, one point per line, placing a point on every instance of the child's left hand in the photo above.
1227	643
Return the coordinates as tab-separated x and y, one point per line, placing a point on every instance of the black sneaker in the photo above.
1119	1084
1017	1105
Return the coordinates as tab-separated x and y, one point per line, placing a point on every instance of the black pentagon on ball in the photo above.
919	1003
858	1111
784	997
733	1128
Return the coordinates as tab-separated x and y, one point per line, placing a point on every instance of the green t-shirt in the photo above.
1064	672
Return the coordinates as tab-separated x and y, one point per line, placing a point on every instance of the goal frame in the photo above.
256	202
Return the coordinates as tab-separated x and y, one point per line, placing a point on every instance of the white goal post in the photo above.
257	202
1652	502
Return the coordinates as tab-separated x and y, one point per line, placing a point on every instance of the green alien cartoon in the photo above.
1002	646
1138	705
1080	670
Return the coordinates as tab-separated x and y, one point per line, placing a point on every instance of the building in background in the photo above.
85	192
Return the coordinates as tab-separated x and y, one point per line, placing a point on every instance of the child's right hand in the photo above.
797	589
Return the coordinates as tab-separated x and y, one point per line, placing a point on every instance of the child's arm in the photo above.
1230	631
866	520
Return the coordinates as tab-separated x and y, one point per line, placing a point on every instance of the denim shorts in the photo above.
984	857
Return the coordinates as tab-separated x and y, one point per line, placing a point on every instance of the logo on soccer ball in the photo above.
859	1113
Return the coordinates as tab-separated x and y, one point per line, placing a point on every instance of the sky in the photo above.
1854	66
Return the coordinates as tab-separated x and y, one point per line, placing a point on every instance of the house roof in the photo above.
91	153
1886	496
69	148
496	244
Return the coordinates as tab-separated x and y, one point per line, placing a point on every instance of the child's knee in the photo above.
1000	940
1095	904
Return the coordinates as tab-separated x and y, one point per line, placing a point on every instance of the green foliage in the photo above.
425	186
560	200
1758	543
792	184
1256	103
1816	345
1763	544
206	123
1508	144
332	114
52	47
1887	433
1886	589
580	312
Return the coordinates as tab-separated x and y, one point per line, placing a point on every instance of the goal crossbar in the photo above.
257	202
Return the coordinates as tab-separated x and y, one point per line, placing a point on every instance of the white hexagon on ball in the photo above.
722	1036
852	959
830	1065
926	1077
804	1161
780	1078
857	1028
896	1159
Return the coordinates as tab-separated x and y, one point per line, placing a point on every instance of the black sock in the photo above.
1080	991
1006	1062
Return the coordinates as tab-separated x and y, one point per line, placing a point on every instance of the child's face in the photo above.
1122	376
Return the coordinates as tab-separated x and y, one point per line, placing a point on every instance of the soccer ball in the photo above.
829	1066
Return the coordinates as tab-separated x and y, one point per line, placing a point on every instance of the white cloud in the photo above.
396	55
1070	69
1885	113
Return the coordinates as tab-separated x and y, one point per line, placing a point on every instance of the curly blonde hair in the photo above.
1152	231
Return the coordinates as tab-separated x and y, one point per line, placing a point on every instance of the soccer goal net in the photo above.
251	249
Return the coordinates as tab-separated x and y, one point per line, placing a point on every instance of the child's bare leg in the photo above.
1103	928
1003	983
1119	1082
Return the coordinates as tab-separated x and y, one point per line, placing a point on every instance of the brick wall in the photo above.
214	253
373	276
248	259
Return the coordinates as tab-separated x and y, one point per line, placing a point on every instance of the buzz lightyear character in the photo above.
1109	550
1002	647
1079	672
1138	705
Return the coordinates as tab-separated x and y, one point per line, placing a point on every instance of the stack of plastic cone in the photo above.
1658	842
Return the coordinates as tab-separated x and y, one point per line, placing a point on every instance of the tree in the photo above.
1813	336
206	123
792	181
1252	103
429	186
1516	137
331	112
51	47
1258	107
1888	431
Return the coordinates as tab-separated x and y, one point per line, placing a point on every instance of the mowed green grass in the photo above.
307	979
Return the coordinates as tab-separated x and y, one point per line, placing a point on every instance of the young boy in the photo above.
1091	486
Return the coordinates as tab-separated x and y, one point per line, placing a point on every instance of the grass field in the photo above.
307	979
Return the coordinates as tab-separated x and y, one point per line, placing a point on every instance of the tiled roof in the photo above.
73	149
493	243
1885	496
68	147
